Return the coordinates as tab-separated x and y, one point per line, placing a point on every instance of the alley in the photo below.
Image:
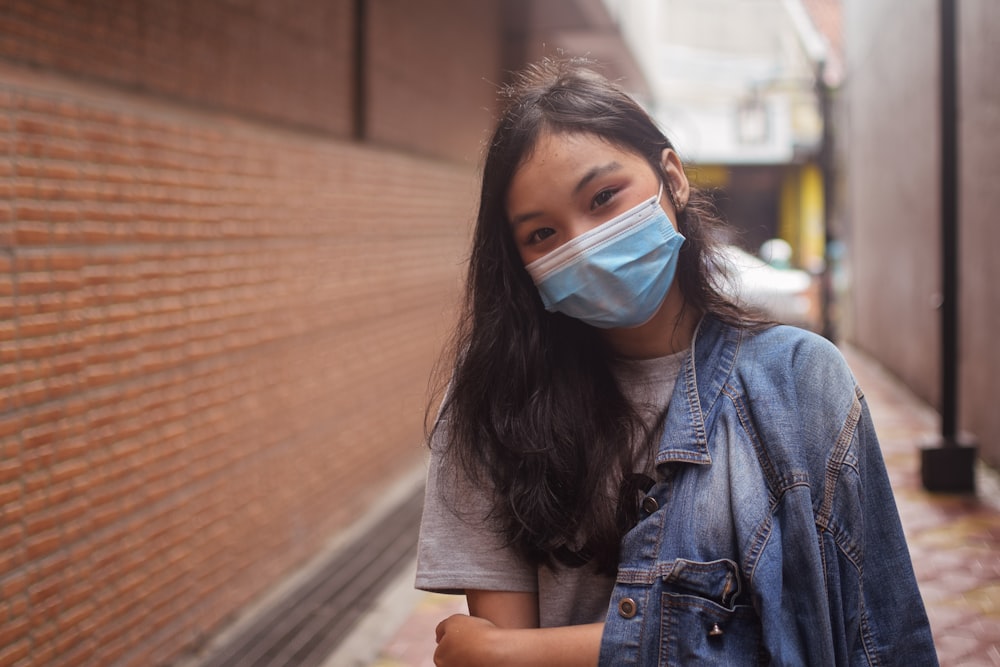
954	542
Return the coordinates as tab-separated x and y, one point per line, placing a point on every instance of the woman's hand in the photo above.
467	641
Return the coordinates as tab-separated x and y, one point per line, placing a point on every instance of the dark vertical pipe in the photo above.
949	223
949	465
827	166
359	88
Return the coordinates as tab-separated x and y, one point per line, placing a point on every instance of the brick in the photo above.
10	469
31	231
33	212
9	493
40	614
10	654
42	324
66	260
68	470
44	591
34	283
14	629
42	545
31	393
13	584
43	654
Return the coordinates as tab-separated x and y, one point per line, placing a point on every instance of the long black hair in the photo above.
533	413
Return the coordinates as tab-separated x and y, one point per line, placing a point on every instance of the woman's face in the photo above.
572	182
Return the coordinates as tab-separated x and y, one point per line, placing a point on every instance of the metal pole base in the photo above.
949	466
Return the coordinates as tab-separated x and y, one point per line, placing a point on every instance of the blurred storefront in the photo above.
739	98
739	86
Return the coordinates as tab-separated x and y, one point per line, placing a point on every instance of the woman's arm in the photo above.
504	609
503	630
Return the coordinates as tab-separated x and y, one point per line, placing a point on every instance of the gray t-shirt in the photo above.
458	550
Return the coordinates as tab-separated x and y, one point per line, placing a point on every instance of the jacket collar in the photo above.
707	368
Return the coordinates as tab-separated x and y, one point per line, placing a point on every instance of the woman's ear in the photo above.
677	182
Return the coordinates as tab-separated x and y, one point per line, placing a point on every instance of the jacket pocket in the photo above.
704	620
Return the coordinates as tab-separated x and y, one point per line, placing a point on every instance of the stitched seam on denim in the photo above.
752	557
697	602
683	456
634	576
695	422
823	563
668	489
732	574
694	400
644	616
727	362
849	548
666	625
768	468
834	464
631	575
866	636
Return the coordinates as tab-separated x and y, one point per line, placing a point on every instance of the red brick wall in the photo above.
214	347
289	61
445	109
215	329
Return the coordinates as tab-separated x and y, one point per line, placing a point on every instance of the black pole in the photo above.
949	464
827	165
949	223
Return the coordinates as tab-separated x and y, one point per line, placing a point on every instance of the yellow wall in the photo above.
802	215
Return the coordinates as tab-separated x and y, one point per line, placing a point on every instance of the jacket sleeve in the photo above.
835	585
872	590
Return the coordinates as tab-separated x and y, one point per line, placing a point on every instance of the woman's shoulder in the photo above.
800	398
794	354
783	371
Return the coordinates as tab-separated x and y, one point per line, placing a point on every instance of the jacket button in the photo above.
650	505
627	607
716	631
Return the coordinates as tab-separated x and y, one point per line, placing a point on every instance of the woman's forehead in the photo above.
573	150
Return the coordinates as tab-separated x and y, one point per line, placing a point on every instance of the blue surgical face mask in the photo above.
615	275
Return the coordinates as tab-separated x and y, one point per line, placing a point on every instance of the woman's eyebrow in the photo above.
599	170
524	217
591	174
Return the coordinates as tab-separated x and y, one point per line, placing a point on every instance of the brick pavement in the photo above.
954	541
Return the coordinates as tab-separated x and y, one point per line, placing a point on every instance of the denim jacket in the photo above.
771	536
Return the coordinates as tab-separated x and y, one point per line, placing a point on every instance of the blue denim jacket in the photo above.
771	536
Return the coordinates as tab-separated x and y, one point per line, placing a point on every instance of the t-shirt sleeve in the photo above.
458	549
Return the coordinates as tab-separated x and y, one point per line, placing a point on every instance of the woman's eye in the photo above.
603	197
540	235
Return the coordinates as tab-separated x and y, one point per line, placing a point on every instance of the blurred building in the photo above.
734	84
231	245
892	108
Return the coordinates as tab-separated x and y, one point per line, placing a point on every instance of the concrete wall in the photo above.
218	310
979	134
892	135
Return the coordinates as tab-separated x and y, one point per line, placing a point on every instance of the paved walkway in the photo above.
954	541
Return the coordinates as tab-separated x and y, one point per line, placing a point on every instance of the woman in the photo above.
627	469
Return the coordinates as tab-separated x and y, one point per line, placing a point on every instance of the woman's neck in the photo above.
670	331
